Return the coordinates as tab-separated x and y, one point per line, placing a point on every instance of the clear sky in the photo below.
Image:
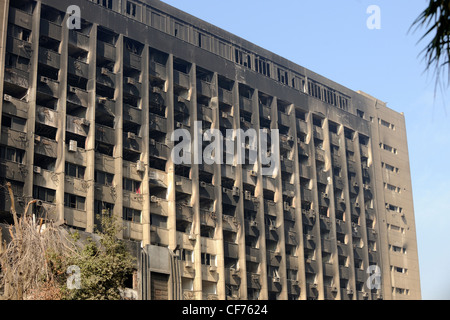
330	37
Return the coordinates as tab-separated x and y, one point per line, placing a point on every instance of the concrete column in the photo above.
145	93
331	208
90	141
316	228
31	122
283	295
264	294
4	13
61	132
118	130
240	205
217	182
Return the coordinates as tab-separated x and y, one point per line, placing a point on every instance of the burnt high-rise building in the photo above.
90	98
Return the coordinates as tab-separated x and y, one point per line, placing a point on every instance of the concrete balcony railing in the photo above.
50	29
48	86
79	40
16	77
204	88
105	134
181	79
15	106
49	58
19	47
45	146
302	126
75	218
106	50
246	104
158	70
78	68
20	18
75	186
132	60
225	96
132	230
13	170
106	78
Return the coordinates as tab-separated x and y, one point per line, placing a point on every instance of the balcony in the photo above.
16	77
270	208
318	132
105	134
75	218
287	165
132	60
284	119
46	178
159	206
20	18
106	78
204	88
273	258
181	79
13	170
15	106
75	186
132	142
159	150
49	58
302	126
106	50
158	70
252	254
184	212
105	193
79	40
230	223
47	116
77	96
246	104
157	123
225	96
183	184
50	29
78	68
231	250
132	230
48	87
207	190
306	194
131	87
45	146
19	47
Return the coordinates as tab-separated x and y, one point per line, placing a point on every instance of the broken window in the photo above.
132	215
131	9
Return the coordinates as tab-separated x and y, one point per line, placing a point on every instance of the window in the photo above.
14	123
132	215
397	249
131	185
390	187
389	167
388	148
208	259
74	202
105	3
11	154
44	194
99	206
104	178
131	9
187	255
76	171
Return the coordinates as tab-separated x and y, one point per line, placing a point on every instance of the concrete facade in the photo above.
87	116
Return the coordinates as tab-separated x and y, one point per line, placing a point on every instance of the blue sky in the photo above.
330	37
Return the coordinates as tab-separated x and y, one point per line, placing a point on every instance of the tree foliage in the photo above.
436	19
104	264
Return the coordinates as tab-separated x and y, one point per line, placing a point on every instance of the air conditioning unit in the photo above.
44	79
277	253
334	289
6	97
188	264
272	227
248	196
104	71
224	115
290	138
365	295
202	184
253	224
192	237
235	191
39	203
140	167
179	125
36	169
349	292
355	184
73	145
357	204
72	89
242	119
295	283
325	195
276	280
309	237
37	138
131	135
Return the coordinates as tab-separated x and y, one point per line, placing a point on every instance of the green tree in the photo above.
104	265
436	19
